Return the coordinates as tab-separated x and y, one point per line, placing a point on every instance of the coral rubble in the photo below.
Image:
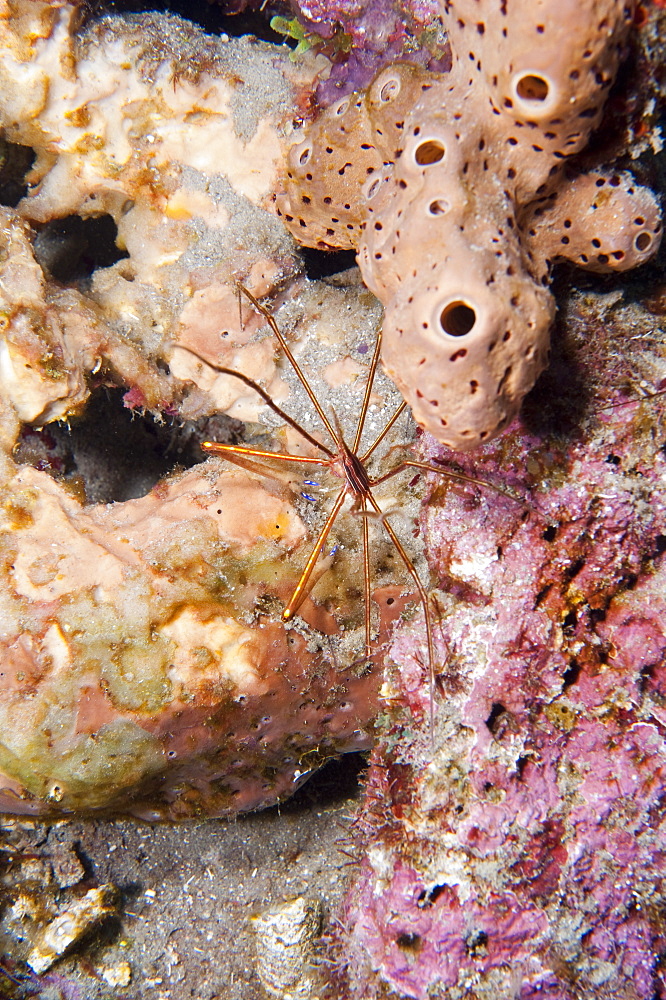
455	189
71	925
285	953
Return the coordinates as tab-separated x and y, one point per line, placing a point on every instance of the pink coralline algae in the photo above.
524	855
361	37
455	190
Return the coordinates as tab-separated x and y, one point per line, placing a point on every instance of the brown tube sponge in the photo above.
600	221
453	189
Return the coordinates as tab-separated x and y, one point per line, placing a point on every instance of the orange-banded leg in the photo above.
345	463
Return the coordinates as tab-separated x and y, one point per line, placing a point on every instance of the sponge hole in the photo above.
389	90
428	152
438	206
342	107
642	241
531	87
457	319
533	95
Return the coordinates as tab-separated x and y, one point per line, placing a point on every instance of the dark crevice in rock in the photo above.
571	675
324	263
231	17
497	711
15	162
112	453
71	249
337	781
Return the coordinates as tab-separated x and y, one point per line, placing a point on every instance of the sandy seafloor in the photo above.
188	891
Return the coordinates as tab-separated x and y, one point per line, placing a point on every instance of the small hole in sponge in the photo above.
439	206
532	88
428	152
390	90
643	241
457	319
408	941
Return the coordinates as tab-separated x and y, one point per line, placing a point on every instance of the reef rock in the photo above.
520	853
143	658
176	138
455	190
144	662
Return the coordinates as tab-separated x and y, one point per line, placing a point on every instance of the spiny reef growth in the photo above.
457	193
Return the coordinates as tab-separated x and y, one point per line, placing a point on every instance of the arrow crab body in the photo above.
350	465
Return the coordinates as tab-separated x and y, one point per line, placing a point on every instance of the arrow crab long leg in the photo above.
351	467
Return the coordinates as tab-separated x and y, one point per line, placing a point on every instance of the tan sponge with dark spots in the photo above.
456	192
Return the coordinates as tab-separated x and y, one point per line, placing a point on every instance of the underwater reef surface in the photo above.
141	619
523	853
359	38
517	851
459	194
